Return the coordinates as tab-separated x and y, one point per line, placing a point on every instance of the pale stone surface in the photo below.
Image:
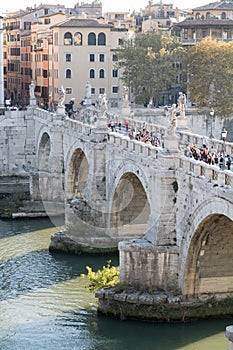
163	204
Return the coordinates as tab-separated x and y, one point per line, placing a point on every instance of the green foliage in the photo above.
210	72
107	277
148	64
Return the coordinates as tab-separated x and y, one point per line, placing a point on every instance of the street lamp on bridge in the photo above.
224	136
211	123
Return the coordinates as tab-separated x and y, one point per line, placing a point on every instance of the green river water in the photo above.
44	303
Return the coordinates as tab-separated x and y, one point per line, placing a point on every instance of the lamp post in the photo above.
211	123
224	136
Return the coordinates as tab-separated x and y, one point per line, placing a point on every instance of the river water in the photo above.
45	305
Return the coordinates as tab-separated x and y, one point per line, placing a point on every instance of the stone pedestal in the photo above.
32	102
229	335
60	112
100	133
125	110
182	122
171	143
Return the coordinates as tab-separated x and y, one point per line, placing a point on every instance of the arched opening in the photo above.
101	39
101	73
68	39
208	267
91	39
223	15
68	74
44	152
92	74
78	39
77	174
130	208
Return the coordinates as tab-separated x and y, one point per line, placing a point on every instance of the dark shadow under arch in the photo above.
44	152
77	174
130	208
208	269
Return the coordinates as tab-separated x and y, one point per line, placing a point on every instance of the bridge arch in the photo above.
208	251
44	149
129	203
77	172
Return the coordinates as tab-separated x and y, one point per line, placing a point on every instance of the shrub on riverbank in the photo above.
107	277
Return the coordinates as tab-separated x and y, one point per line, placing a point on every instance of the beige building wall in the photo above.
80	64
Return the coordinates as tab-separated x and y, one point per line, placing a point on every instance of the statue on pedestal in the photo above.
182	103
88	90
173	123
62	96
32	90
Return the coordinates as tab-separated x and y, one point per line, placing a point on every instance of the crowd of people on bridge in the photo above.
211	156
142	135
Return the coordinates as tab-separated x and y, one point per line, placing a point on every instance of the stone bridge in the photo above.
170	216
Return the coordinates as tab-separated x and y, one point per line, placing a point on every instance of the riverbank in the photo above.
159	306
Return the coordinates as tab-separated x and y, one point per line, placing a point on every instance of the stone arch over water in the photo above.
77	174
207	268
130	208
44	152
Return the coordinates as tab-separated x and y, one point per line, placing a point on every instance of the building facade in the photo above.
84	51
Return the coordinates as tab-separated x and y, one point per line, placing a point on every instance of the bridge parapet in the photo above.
210	173
190	138
134	145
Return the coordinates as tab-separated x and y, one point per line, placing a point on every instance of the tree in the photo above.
210	71
148	64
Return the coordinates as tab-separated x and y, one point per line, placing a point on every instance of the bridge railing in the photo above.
187	138
211	173
79	126
133	145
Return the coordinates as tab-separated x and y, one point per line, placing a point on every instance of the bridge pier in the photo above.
145	266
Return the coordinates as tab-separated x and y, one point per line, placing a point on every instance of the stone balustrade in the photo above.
190	138
133	145
211	173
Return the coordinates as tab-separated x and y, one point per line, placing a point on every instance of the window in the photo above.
47	21
69	91
101	57
92	57
101	91
114	58
93	91
208	15
68	57
120	41
101	73
101	39
115	89
185	33
115	73
45	73
223	15
68	74
78	39
92	74
68	40
204	33
91	39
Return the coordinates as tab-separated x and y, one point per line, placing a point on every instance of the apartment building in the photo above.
18	50
214	20
84	51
